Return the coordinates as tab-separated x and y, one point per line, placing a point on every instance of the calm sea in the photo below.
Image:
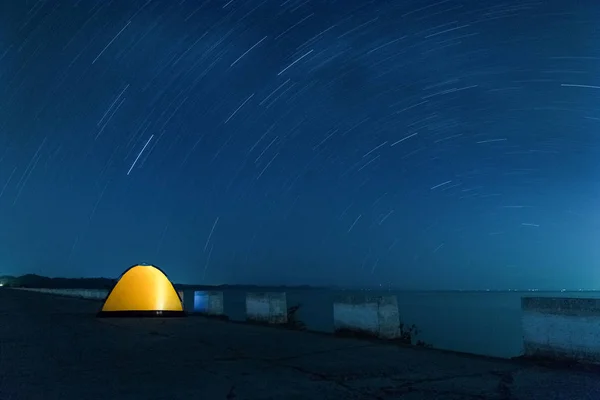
486	323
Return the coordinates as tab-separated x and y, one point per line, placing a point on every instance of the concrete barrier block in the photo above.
373	315
187	300
101	294
208	302
266	307
94	294
561	328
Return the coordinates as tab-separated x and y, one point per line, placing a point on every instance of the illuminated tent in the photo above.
142	291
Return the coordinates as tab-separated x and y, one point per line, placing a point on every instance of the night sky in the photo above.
421	144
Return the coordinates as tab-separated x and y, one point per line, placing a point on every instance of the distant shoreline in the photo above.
38	281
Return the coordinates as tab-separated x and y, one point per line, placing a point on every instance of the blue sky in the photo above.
443	145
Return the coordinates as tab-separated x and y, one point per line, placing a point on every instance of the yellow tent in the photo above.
142	291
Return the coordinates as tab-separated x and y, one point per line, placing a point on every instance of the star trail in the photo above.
419	144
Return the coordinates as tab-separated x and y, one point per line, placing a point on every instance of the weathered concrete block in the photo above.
561	328
94	294
187	300
266	307
208	302
377	315
100	294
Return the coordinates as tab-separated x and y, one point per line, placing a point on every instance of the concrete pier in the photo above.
52	347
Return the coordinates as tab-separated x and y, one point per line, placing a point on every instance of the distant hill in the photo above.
37	281
257	288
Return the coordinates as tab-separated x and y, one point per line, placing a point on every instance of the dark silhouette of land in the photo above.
53	347
38	281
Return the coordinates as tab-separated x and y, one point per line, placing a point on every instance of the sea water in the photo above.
478	322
